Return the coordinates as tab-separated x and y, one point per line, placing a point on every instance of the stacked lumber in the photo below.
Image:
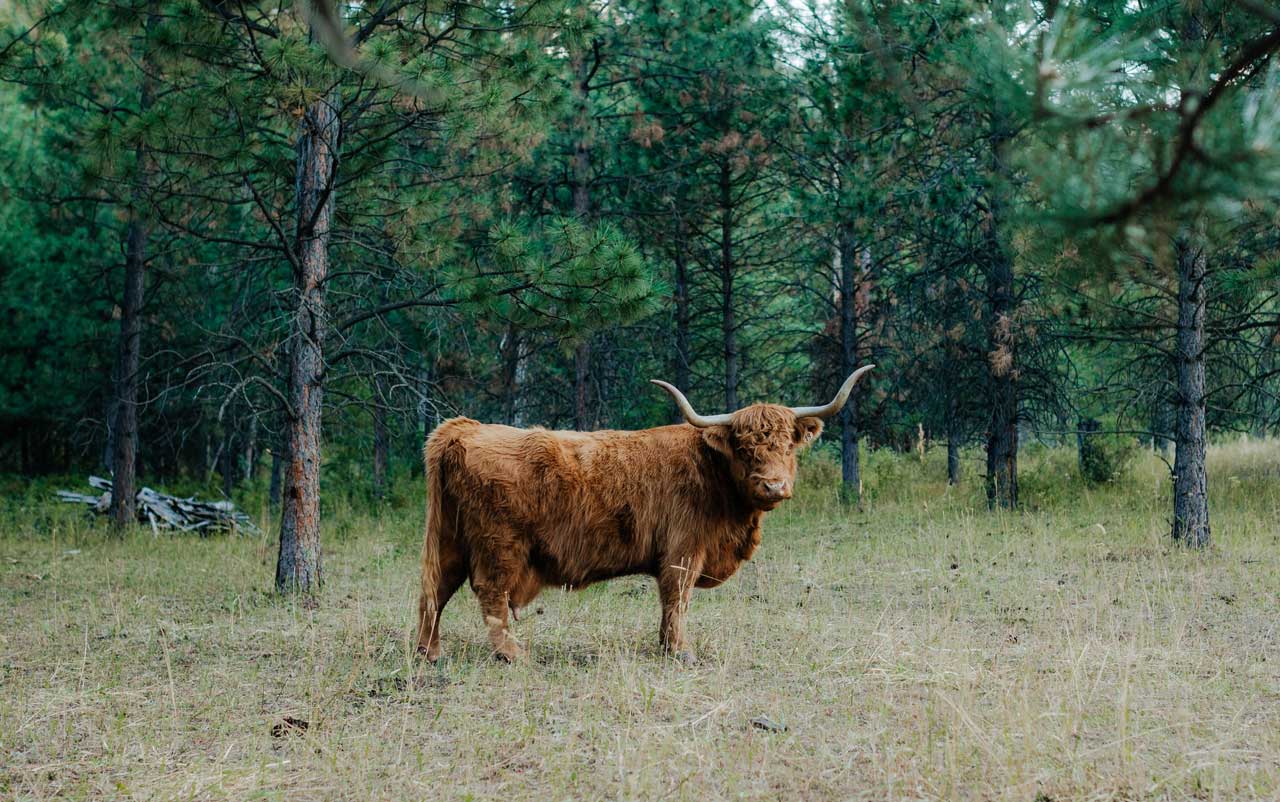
163	511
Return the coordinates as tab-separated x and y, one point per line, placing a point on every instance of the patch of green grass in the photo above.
923	648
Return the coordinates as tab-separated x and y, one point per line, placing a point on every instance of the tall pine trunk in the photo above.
682	316
1002	363
847	254
299	564
952	423
728	319
582	210
124	452
123	437
1190	480
1002	433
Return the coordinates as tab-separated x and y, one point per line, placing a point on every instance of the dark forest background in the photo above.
243	240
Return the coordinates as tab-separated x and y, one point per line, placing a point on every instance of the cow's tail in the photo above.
431	540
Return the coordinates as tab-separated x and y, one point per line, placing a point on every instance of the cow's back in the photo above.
513	471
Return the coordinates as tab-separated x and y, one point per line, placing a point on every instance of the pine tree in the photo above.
1165	154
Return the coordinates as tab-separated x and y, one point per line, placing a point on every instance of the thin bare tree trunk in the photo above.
682	317
109	414
953	460
729	323
518	412
847	255
581	365
424	398
510	350
381	442
299	564
953	437
250	455
229	455
1190	479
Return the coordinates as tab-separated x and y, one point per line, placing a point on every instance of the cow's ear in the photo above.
807	430
718	438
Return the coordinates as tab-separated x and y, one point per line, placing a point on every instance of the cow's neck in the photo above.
724	499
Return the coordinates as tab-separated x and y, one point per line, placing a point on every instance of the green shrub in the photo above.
1105	458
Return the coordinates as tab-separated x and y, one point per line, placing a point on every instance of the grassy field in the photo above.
922	649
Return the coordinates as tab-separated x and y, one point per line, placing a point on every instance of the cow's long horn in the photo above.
686	408
837	403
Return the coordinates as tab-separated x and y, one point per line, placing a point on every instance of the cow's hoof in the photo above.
508	655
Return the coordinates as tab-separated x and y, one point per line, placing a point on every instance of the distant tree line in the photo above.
239	237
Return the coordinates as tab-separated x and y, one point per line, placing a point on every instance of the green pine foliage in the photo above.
730	150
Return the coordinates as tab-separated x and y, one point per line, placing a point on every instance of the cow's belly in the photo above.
576	559
577	576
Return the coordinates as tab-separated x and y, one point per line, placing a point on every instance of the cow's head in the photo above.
761	441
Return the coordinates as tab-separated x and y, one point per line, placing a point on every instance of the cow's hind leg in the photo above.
453	572
494	582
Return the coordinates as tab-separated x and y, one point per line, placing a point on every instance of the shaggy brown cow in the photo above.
517	510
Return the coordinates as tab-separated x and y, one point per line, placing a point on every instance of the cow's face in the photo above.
761	442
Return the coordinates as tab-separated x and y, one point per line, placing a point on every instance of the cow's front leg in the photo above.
493	583
676	580
495	605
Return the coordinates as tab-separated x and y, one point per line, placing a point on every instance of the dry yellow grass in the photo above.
924	649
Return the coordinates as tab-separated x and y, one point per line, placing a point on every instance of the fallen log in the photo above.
163	511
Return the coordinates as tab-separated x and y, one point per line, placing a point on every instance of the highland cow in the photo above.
517	510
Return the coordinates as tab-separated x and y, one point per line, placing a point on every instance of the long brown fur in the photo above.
517	510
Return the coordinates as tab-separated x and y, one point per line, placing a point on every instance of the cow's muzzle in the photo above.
772	490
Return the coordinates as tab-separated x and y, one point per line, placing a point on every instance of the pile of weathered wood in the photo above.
163	511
